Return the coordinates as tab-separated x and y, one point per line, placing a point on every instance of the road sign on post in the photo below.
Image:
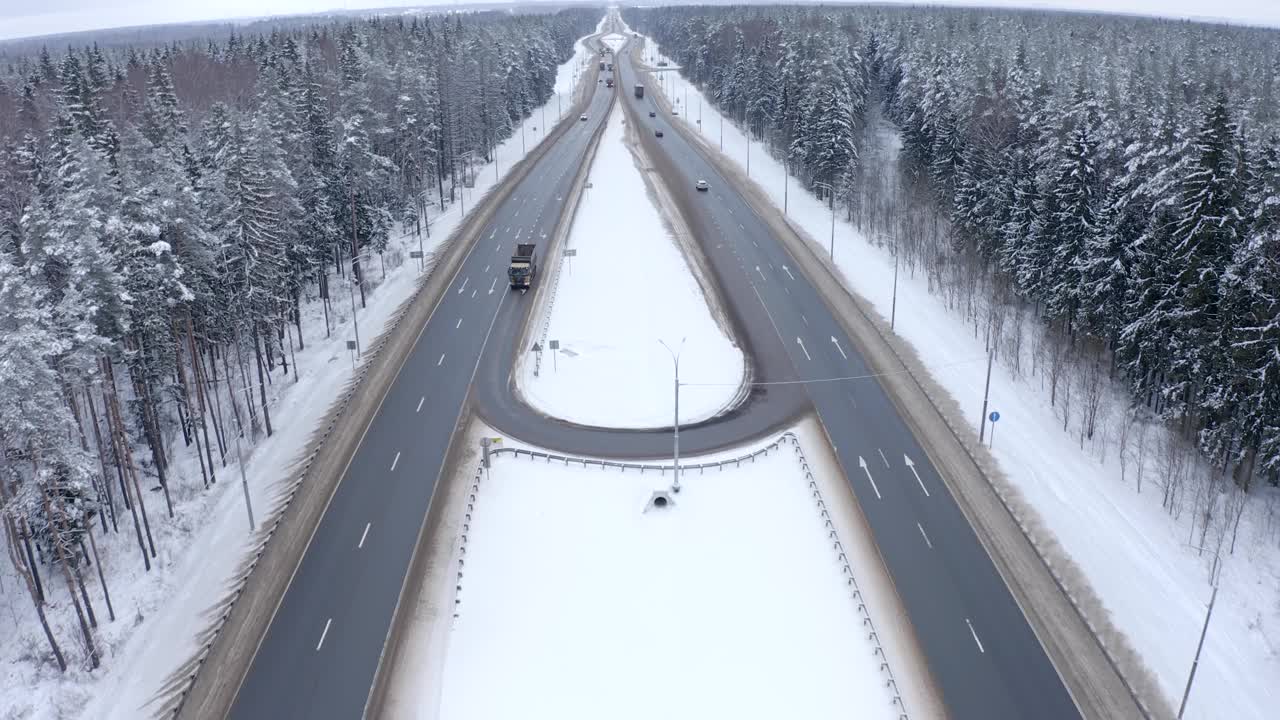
993	417
554	346
571	252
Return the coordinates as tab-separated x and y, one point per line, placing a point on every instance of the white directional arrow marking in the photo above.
787	270
837	344
802	349
761	272
863	464
913	472
464	285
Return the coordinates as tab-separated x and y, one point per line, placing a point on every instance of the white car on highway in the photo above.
702	186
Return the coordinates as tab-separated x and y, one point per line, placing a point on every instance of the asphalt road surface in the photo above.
979	647
322	648
321	651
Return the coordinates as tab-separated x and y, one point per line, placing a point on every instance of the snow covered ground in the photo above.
609	319
577	603
159	613
1141	562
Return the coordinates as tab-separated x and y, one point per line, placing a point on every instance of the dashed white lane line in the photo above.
323	634
420	401
882	457
395	461
926	542
440	361
805	319
464	285
498	248
455	327
495	232
494	285
364	535
974	633
473	293
486	268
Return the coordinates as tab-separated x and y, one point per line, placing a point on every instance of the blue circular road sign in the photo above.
994	416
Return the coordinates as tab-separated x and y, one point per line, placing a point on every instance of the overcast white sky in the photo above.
22	18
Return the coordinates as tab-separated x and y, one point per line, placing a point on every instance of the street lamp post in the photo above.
675	424
351	283
1196	663
831	193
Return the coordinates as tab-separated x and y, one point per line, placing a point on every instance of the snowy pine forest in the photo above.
1117	177
167	212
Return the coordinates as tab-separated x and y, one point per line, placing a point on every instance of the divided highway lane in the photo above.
321	651
978	645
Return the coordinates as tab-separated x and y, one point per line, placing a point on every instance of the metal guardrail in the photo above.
786	439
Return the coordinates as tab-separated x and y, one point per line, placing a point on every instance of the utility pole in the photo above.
675	424
982	432
1196	663
831	194
893	306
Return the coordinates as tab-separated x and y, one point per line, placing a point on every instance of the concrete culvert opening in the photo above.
659	500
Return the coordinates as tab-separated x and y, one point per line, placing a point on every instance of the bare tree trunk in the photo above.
262	384
211	390
186	400
102	458
126	453
61	555
204	410
97	562
26	572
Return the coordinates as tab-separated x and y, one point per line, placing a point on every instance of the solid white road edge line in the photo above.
323	634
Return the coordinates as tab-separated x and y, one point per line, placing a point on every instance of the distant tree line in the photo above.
1119	177
165	214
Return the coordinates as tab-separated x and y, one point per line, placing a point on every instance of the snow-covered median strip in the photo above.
1151	579
624	289
581	599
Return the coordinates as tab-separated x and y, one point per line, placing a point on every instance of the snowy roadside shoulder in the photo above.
1088	493
605	605
623	299
160	613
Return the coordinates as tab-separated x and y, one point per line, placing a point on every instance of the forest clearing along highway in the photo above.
322	647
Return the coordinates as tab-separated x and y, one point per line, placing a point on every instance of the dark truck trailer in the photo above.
524	265
640	91
610	67
601	65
